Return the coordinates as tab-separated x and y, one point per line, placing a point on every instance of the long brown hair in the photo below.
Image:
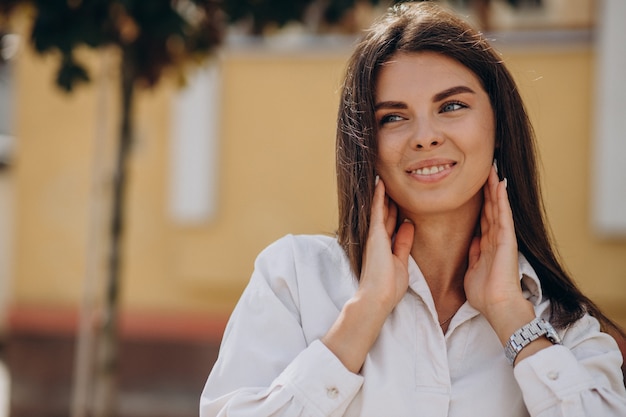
414	27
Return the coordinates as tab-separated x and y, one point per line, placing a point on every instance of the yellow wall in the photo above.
276	175
559	91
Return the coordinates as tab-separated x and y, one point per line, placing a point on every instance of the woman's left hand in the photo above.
492	282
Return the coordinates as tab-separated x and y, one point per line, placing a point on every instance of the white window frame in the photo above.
608	205
194	147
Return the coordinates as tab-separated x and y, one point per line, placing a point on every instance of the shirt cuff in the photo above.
549	376
319	380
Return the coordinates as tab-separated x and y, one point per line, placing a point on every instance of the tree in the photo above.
150	37
259	15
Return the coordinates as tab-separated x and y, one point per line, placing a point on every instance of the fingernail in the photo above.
506	183
495	165
376	180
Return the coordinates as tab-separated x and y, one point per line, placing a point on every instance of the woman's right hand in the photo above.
384	273
384	281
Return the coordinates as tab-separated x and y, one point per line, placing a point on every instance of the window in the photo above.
8	46
193	141
609	145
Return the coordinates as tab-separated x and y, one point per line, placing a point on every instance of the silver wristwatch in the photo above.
526	334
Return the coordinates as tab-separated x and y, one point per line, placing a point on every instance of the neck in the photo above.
440	248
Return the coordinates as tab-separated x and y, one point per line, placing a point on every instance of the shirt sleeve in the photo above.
581	377
265	366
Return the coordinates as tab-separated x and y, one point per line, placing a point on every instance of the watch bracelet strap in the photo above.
526	334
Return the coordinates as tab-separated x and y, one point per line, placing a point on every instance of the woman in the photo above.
441	294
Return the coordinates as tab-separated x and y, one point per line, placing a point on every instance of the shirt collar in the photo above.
531	286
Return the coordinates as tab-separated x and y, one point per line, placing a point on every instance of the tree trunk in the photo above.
92	297
107	350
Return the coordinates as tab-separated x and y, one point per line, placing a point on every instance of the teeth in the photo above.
432	170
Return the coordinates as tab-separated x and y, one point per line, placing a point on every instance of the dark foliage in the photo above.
155	34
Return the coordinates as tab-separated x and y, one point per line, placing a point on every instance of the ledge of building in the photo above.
303	44
134	325
163	362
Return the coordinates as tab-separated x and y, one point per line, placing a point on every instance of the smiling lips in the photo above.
435	169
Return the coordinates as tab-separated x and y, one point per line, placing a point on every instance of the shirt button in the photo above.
553	375
332	392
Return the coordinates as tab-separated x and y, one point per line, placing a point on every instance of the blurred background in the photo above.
229	145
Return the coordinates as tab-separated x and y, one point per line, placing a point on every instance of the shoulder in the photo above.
297	256
305	261
303	242
303	250
303	268
586	331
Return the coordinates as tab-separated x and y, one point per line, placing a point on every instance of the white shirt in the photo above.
272	363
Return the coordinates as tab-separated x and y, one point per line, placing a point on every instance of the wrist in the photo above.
529	339
375	305
506	318
354	332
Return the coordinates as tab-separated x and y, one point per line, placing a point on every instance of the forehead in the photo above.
424	71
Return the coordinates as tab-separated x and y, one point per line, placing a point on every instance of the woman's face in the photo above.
436	133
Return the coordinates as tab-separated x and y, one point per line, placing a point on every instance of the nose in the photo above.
427	144
426	137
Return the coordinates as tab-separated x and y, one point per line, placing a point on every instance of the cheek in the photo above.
485	139
388	155
489	128
482	150
382	169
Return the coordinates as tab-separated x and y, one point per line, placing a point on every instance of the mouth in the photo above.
432	169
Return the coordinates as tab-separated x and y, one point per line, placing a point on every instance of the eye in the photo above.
390	118
452	106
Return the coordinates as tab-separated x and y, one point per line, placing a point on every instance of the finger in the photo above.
404	241
377	215
474	252
392	216
489	195
493	179
486	216
489	202
505	217
487	211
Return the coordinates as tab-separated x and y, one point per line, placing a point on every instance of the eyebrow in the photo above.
390	105
459	89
